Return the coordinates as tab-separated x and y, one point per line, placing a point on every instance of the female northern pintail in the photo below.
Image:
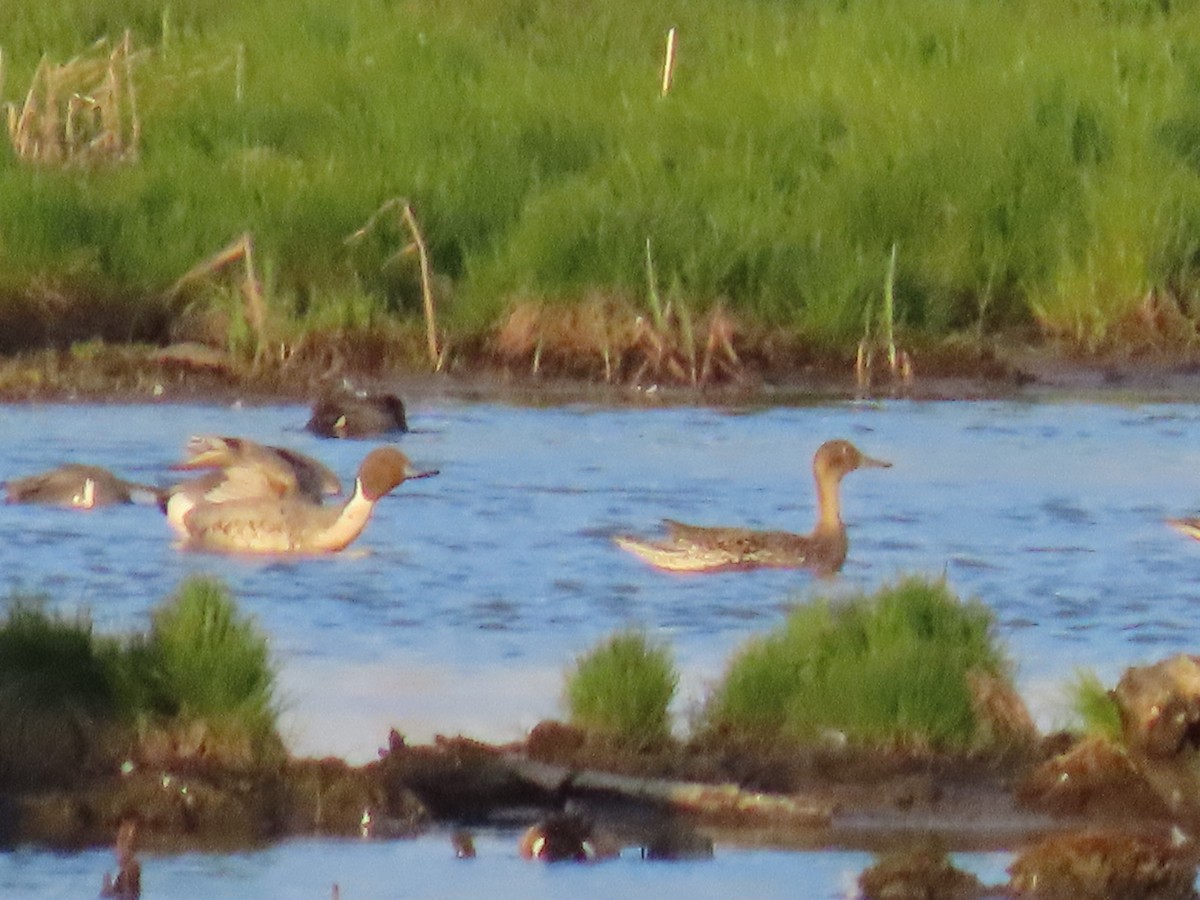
693	548
346	414
290	524
78	486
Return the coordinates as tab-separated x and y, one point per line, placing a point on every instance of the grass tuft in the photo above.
56	694
885	669
1095	709
211	664
622	690
69	699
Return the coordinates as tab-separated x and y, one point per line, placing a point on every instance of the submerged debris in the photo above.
127	885
920	874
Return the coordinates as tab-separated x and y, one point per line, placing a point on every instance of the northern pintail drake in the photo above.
694	548
290	524
77	486
346	414
242	468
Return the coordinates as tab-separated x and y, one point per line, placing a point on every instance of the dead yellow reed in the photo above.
81	112
668	70
254	302
408	220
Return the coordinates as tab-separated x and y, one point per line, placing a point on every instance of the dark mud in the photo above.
791	797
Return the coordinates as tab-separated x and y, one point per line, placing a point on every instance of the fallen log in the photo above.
718	801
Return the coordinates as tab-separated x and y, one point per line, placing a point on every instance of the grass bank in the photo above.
1031	163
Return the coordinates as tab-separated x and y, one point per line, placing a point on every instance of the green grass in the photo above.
211	664
882	669
56	695
622	689
69	697
1095	710
1030	161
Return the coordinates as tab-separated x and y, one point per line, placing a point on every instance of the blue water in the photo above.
471	593
425	869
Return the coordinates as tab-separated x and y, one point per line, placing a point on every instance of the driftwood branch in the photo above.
724	801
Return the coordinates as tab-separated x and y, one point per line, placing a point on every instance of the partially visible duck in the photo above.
77	486
693	548
345	414
290	524
566	837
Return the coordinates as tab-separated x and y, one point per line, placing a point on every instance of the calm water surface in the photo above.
469	594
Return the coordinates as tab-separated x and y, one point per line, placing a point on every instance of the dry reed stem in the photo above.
74	113
407	219
255	304
426	287
624	343
668	70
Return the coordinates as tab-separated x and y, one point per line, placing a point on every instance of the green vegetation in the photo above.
55	694
622	689
1029	161
209	664
885	669
70	698
1095	709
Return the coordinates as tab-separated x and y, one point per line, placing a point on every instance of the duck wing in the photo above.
697	548
276	471
679	557
313	478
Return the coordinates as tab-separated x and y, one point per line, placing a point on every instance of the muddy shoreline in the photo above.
189	373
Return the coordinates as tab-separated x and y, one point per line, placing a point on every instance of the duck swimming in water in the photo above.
566	837
351	415
293	523
694	548
77	486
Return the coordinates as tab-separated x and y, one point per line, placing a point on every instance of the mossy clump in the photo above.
1095	709
199	684
56	694
206	663
622	689
889	669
